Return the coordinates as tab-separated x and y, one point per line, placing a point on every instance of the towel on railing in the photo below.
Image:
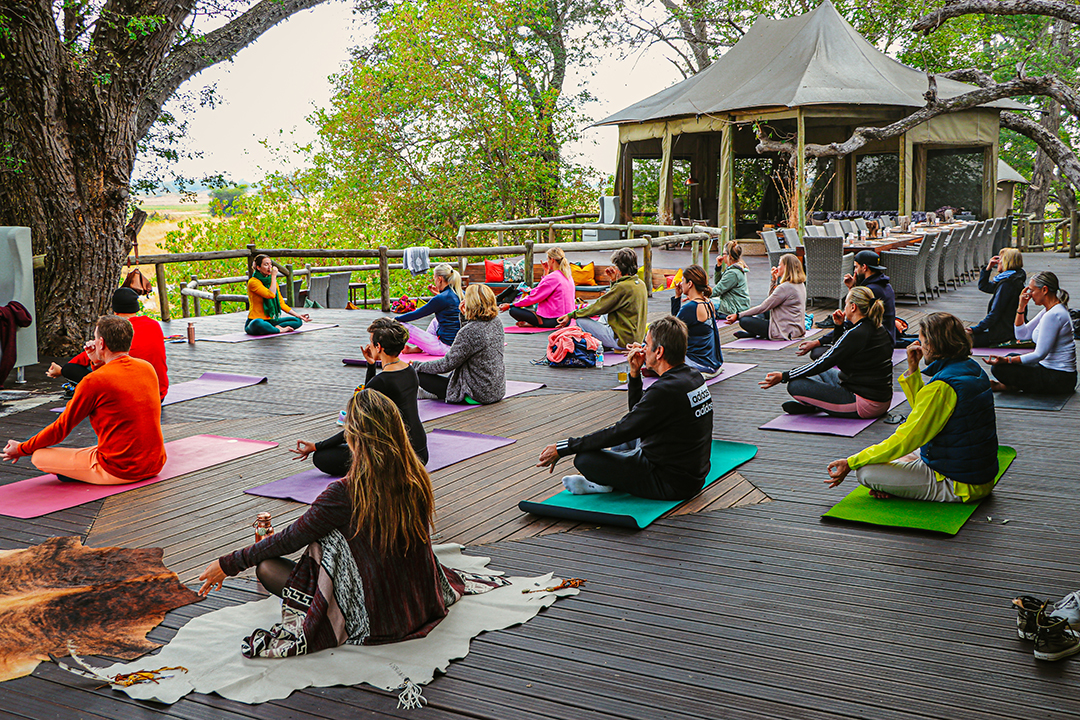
561	342
416	259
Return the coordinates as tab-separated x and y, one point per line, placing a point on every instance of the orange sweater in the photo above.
122	401
256	292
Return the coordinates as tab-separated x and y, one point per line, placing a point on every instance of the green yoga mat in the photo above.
947	518
623	510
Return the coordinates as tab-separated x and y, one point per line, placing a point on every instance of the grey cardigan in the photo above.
475	363
787	311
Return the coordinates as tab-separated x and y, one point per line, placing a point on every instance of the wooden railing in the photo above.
700	238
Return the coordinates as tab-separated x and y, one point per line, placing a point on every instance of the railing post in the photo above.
289	293
162	292
462	242
1074	232
195	299
251	258
528	264
217	301
551	233
647	258
384	278
184	303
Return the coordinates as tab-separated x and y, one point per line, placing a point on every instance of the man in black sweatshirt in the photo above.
660	449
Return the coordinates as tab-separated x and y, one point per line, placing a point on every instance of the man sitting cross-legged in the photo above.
122	401
660	449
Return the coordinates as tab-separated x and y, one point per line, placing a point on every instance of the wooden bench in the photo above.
474	273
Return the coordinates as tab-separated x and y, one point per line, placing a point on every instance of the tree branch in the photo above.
221	44
1050	8
1056	150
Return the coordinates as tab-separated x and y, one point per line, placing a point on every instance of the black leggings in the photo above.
434	384
334	460
528	316
273	573
756	325
625	468
1035	379
75	372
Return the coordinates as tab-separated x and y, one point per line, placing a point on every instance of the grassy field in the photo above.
166	212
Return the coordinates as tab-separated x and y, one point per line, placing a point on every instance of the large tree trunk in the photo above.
1043	174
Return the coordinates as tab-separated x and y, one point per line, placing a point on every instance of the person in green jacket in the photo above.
625	305
730	293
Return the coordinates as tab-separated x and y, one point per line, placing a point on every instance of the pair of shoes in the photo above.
710	375
68	390
742	334
341	418
826	323
1054	637
794	407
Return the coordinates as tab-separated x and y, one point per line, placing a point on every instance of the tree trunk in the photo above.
1042	176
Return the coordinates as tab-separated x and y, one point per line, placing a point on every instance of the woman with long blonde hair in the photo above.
554	296
369	574
439	336
783	314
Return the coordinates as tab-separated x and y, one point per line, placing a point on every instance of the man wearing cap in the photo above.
148	344
869	273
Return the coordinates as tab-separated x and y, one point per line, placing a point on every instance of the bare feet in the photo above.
998	386
880	495
411	349
286	329
522	323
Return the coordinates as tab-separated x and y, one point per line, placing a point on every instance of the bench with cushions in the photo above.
477	273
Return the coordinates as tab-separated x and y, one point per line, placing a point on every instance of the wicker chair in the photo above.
833	229
860	225
884	222
772	245
318	287
826	264
971	252
986	247
947	260
337	292
1003	238
907	270
934	260
791	235
963	236
848	227
815	230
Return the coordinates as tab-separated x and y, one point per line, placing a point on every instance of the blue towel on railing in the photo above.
416	259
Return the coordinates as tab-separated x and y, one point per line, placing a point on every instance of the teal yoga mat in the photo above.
947	518
623	510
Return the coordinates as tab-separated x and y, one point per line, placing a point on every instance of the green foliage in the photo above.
223	201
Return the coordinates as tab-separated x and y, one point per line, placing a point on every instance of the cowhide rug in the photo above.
104	600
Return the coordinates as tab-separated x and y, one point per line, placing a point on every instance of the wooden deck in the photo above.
743	608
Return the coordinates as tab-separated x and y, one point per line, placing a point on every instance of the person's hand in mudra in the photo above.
303	449
807	345
549	457
838	470
771	379
563	321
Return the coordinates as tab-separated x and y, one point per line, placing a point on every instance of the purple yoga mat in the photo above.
1000	352
612	358
209	384
44	494
899	355
758	344
822	424
434	409
410	357
445	448
729	370
244	337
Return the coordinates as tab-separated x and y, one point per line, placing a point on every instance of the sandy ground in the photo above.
166	212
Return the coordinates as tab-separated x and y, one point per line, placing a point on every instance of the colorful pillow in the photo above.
493	271
583	275
514	271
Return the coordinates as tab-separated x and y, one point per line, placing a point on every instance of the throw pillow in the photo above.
493	271
583	275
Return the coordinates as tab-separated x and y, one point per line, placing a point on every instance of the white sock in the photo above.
578	485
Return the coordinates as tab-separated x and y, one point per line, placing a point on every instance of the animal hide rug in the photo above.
104	600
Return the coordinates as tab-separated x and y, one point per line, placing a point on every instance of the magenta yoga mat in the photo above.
445	448
434	409
822	424
759	344
410	357
516	330
45	494
244	337
729	370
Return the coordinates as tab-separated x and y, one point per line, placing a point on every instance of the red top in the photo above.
147	343
121	400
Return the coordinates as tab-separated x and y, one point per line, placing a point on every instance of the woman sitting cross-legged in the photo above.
997	327
397	381
730	292
369	574
703	341
951	425
475	360
445	306
783	314
265	306
553	297
1050	369
853	378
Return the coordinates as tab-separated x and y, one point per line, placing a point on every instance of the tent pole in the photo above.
800	173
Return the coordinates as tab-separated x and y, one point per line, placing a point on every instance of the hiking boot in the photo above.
794	407
1054	638
1027	611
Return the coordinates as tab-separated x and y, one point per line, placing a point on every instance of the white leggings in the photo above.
909	478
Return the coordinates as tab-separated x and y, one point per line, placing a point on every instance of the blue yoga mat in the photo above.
624	510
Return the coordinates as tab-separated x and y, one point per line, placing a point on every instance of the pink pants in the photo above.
427	340
77	464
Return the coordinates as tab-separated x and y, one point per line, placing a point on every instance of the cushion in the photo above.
583	275
493	271
514	270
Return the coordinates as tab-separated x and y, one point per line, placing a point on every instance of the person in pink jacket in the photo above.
554	296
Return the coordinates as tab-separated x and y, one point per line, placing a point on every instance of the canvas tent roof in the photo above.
812	59
1006	173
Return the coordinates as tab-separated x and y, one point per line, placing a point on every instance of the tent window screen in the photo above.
954	179
820	175
647	182
877	182
752	179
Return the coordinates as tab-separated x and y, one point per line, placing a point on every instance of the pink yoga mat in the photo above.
758	344
822	424
44	494
244	337
445	448
515	330
410	357
729	370
1000	352
209	384
434	409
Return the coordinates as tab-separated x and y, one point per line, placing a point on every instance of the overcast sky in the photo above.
271	86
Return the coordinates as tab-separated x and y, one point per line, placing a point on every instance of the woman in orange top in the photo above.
265	306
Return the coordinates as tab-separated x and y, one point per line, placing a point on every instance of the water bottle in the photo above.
599	357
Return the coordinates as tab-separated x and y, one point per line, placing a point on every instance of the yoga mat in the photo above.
729	370
1000	352
445	448
244	337
44	494
941	517
209	383
759	344
1027	401
613	358
518	330
410	357
899	355
822	424
623	510
433	409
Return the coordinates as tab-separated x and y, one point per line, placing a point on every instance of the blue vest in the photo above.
966	448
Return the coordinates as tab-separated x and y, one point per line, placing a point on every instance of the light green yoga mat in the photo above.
623	510
947	518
